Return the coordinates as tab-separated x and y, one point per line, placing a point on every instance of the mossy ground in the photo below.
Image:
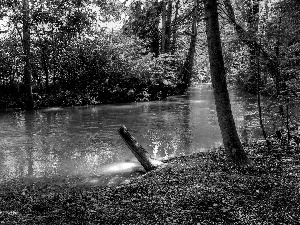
196	189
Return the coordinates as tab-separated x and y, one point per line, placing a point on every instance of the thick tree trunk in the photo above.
139	152
26	47
232	144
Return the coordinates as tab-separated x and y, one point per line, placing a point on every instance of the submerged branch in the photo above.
139	152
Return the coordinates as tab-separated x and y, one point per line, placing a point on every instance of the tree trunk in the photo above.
139	152
168	27
163	27
259	99
174	30
187	70
45	63
155	40
246	38
232	143
278	80
253	20
26	47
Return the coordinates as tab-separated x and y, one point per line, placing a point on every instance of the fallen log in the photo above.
146	160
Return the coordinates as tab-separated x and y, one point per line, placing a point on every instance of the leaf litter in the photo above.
201	188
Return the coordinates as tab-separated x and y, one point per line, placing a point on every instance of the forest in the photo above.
60	53
80	52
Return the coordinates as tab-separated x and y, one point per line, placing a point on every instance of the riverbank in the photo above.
195	189
136	90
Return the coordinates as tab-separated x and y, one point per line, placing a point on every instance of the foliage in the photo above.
113	72
60	31
72	64
101	72
277	36
143	22
200	188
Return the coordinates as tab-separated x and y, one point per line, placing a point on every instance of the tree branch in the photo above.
244	36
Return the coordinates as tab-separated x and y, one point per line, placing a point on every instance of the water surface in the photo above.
85	141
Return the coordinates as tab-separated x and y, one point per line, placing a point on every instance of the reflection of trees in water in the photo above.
186	132
2	162
18	160
244	106
29	118
82	139
64	146
168	131
204	121
211	110
188	124
212	118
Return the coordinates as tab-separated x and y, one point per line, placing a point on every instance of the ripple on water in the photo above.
85	140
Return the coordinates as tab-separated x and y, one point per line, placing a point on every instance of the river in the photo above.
85	141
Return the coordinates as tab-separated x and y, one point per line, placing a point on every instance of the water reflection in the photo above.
83	140
28	124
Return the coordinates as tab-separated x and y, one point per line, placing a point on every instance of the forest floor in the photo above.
196	189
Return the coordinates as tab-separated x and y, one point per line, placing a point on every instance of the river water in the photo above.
85	140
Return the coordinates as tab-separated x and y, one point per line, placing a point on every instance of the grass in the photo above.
196	189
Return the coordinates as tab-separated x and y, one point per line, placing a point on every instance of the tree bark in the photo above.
163	27
45	63
174	30
26	46
168	27
155	39
277	52
187	70
232	143
253	20
259	101
139	152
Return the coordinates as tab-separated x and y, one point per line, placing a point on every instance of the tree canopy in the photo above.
61	53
